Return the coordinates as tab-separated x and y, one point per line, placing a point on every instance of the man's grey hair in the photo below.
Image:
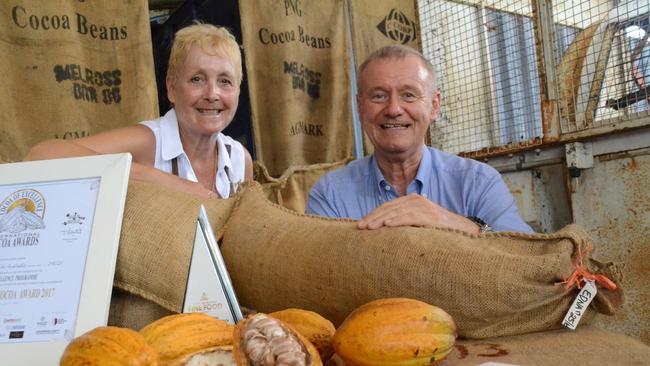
395	51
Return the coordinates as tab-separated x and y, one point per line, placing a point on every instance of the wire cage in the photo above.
500	92
604	69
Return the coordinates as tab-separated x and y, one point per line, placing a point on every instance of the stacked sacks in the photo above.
492	284
292	188
155	250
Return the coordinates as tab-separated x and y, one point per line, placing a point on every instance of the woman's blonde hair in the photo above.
213	40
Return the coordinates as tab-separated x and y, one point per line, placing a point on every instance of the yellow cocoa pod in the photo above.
318	330
188	339
395	331
109	346
264	340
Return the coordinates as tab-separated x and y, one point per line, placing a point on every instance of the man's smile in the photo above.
395	125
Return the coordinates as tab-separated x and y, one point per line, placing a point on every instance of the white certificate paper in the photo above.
44	235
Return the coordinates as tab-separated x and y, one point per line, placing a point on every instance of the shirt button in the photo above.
387	187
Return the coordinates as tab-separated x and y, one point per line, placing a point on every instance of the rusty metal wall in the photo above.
612	202
541	197
610	199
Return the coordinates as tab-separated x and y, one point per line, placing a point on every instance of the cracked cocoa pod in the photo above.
396	331
318	330
109	346
191	339
261	340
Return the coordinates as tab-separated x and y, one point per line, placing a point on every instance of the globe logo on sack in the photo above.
22	210
397	27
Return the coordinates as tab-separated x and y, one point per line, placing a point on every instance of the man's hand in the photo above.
415	210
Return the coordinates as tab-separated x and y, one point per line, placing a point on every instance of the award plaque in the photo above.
60	224
209	289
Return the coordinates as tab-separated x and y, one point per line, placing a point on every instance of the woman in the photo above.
185	148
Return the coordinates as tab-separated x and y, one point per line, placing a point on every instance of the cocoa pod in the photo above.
261	340
185	339
109	346
318	330
395	331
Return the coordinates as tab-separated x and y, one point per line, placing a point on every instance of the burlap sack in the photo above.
155	250
71	69
492	284
297	64
586	346
291	190
381	23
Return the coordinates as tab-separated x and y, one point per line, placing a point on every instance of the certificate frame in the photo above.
97	283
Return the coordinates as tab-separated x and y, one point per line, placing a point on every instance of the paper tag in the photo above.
580	304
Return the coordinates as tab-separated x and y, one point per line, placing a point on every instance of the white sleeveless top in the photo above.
230	166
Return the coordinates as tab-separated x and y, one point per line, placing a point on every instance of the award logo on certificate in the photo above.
209	289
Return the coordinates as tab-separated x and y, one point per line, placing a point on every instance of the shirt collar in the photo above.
421	177
223	157
171	146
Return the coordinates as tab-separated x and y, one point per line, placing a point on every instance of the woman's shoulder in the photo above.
157	123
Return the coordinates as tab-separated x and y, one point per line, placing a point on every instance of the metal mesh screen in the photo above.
487	74
484	53
604	73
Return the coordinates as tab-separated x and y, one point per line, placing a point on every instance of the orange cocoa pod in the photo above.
191	339
318	330
109	346
264	340
395	331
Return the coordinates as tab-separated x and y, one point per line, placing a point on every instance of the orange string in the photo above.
581	273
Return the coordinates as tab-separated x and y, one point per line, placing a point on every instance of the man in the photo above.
404	182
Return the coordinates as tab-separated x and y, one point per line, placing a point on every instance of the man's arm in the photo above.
137	140
319	203
496	206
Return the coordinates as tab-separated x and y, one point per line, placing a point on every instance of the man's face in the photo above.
396	105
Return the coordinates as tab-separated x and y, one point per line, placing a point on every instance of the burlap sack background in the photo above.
155	250
381	23
586	346
38	99
492	284
291	190
299	86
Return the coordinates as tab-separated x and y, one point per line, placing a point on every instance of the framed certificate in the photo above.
209	289
60	224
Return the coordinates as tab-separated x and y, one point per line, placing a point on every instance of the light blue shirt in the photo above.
464	186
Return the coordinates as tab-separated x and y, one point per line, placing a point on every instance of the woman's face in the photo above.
205	92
